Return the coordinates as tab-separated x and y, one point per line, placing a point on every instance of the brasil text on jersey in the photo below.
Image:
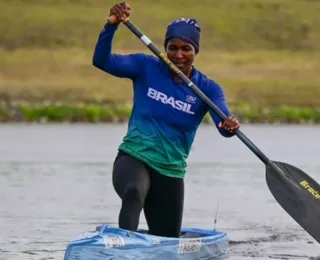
176	104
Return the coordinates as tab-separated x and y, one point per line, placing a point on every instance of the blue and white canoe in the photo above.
108	243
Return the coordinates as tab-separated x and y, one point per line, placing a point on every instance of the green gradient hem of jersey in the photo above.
170	172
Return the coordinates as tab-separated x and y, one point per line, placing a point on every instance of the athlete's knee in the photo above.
134	195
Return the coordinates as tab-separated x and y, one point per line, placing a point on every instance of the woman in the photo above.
149	170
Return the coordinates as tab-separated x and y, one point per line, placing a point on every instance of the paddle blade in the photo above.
298	194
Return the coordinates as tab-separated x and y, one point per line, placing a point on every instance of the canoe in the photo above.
108	242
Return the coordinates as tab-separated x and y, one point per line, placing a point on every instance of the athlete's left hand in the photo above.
230	124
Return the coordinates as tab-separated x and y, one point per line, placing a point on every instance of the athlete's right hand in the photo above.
121	11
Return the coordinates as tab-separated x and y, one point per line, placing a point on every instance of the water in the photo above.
55	183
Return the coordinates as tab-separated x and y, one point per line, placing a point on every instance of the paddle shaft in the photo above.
133	28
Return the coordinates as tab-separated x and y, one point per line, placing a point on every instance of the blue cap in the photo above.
186	29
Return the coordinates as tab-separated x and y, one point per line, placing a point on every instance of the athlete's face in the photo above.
181	53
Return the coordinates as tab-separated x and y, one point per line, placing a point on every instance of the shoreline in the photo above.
119	113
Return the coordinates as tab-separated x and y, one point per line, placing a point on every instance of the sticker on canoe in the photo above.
189	245
156	241
113	241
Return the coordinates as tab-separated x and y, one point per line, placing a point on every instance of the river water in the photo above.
55	183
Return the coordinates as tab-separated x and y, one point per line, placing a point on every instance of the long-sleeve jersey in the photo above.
165	114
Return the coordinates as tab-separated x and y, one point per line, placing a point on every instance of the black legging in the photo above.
141	187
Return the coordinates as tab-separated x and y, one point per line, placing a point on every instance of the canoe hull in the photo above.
108	242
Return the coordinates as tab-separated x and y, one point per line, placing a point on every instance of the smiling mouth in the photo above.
179	64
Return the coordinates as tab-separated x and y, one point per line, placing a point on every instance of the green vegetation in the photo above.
265	53
94	113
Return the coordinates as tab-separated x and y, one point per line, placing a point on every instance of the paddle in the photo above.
294	190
